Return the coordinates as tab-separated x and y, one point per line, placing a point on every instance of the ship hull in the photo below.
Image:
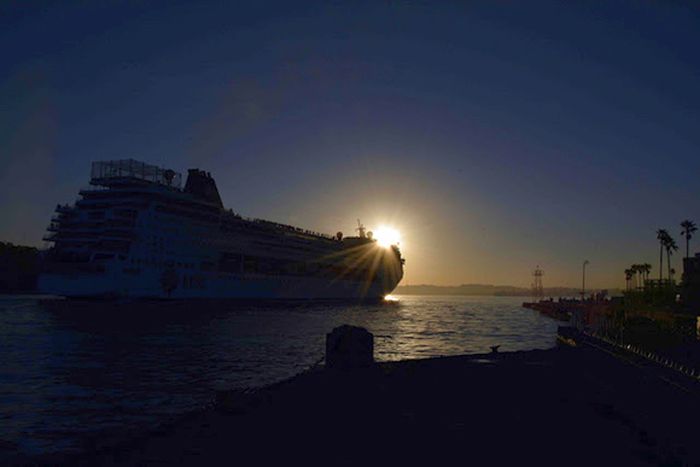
148	284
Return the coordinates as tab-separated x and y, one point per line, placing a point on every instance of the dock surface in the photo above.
564	406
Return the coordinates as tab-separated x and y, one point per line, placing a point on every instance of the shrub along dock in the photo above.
580	405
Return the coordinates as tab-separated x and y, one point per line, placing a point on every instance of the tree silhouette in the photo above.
662	236
689	228
670	246
646	269
636	270
633	272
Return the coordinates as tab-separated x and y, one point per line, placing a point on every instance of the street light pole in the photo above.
583	284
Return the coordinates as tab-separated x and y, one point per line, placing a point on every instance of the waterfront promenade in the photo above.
573	406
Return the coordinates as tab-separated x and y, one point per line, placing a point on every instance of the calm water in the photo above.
72	371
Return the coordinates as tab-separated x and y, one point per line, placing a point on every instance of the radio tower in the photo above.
537	288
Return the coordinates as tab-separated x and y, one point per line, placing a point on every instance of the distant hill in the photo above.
492	290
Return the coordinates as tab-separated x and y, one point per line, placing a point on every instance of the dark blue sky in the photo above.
494	135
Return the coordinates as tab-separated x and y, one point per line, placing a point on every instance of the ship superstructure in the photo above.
137	233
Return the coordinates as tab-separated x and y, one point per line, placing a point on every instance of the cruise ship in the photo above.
135	232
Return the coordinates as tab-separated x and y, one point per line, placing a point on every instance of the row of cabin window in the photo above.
256	264
153	262
261	265
118	213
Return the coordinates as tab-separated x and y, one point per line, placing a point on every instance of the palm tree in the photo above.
689	228
632	276
628	278
636	270
662	236
647	270
670	246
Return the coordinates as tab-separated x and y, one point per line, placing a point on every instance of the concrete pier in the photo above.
570	405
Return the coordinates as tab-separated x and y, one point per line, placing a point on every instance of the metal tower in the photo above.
537	288
361	229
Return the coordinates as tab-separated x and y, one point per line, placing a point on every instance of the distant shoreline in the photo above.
445	294
492	290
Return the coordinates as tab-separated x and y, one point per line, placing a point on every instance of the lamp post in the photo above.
583	284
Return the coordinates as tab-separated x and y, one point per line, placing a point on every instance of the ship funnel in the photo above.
202	185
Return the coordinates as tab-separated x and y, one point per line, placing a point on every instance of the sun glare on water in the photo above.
387	236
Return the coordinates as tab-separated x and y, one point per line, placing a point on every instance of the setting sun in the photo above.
387	236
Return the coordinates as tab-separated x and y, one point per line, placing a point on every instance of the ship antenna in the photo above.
360	228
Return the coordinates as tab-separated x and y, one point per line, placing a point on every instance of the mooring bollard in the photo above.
349	347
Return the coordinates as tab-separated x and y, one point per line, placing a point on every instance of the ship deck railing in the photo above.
288	228
105	171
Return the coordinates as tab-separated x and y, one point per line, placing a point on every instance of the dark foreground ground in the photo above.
567	406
